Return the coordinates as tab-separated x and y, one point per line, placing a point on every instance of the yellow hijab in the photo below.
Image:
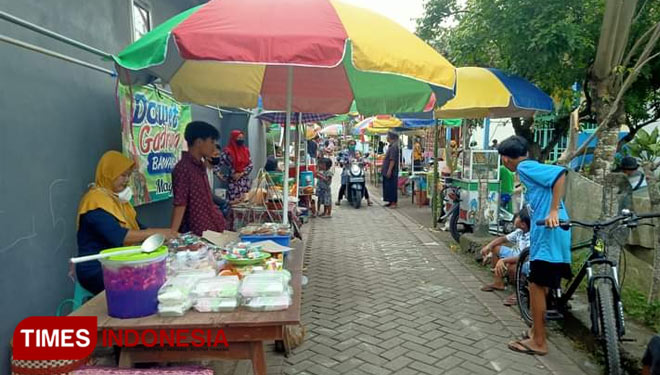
100	195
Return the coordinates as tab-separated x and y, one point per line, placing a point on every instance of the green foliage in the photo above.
549	42
645	146
636	306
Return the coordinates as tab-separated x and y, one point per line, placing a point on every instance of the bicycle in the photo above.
450	210
603	289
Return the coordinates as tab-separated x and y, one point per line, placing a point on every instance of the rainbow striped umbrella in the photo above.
229	52
488	92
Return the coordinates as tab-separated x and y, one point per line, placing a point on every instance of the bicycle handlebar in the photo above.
630	218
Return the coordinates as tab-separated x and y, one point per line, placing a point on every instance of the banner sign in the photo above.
152	126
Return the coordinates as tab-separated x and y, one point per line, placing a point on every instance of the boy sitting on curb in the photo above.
504	258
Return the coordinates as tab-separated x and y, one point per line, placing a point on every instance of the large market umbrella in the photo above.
488	92
275	117
298	55
333	130
375	124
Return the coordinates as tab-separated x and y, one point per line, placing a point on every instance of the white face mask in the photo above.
125	195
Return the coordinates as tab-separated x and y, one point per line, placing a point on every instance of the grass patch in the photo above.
636	306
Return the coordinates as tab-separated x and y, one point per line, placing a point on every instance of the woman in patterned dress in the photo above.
236	158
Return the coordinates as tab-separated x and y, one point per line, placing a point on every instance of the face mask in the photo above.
214	160
351	147
125	195
240	142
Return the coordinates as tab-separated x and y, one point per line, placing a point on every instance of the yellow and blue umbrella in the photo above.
489	92
376	125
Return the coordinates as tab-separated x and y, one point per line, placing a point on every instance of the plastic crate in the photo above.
280	240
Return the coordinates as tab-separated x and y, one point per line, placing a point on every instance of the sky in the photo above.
401	11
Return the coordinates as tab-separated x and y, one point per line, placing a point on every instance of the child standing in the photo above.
323	191
550	248
504	258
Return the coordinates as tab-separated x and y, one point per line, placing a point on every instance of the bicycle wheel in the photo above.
453	225
522	287
608	329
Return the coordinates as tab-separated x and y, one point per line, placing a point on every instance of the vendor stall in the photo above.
244	305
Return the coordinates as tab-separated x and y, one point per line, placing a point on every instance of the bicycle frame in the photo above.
596	257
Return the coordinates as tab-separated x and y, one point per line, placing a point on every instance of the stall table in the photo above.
245	331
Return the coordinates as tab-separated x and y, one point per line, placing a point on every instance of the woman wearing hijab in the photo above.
106	218
236	157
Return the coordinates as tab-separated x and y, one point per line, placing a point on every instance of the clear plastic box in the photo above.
272	303
264	284
217	287
215	304
177	289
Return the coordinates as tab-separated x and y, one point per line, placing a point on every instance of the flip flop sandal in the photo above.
490	288
520	347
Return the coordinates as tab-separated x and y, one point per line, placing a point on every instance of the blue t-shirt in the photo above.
550	245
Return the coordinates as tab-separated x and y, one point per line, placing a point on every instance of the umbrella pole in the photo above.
434	204
285	188
297	152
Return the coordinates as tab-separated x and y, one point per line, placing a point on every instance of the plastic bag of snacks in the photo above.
264	284
272	303
174	309
215	304
217	287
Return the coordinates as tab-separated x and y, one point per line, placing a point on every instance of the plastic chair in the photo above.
80	296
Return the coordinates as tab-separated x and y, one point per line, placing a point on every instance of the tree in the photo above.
646	147
554	44
550	43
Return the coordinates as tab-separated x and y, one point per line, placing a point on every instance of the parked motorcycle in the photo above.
355	183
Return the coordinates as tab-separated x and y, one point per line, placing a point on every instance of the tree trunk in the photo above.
654	197
603	158
573	129
482	213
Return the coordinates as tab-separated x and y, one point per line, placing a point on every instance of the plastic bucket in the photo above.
132	282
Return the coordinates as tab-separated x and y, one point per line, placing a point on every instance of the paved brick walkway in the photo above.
385	298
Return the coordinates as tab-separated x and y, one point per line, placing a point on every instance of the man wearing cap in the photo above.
629	167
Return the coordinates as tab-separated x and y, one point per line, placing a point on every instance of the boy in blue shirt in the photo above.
550	249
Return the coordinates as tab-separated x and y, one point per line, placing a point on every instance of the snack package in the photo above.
272	303
177	309
215	304
217	287
177	289
264	284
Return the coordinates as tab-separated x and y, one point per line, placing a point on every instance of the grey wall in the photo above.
57	120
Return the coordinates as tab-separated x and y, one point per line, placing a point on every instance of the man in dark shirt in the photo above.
194	210
651	360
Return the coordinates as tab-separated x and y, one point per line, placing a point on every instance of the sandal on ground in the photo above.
326	216
520	347
490	288
392	206
338	203
370	203
511	301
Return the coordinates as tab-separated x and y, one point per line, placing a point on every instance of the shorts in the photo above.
508	252
548	274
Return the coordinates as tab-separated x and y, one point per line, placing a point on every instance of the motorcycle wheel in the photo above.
357	199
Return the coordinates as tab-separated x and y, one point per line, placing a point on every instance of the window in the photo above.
141	20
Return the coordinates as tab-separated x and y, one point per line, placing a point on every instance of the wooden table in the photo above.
245	331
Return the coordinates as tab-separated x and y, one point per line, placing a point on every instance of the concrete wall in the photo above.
57	119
